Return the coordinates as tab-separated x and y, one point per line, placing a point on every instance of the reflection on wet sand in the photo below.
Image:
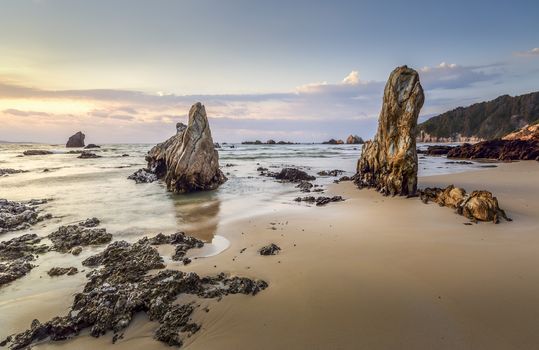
198	217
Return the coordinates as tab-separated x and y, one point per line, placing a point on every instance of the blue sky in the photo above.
126	71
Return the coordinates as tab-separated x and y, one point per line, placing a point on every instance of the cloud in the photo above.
529	53
454	76
19	113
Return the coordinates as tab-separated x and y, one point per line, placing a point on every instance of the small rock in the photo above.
271	249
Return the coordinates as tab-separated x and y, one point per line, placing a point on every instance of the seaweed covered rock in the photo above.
476	206
76	140
188	161
16	255
120	288
82	234
389	162
19	215
180	240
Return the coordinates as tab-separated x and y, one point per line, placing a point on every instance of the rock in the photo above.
271	249
335	172
70	236
477	206
16	255
92	222
8	171
305	186
343	178
179	239
333	142
125	155
77	151
76	140
498	149
188	161
271	142
120	288
436	150
91	145
143	176
320	201
462	162
527	133
88	155
257	142
389	162
291	175
354	140
261	169
76	250
36	152
216	145
19	215
60	271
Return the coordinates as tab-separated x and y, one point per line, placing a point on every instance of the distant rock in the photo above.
92	146
334	172
9	171
477	206
88	155
257	142
291	175
188	161
436	150
36	152
271	142
76	140
354	140
216	145
320	201
389	162
333	142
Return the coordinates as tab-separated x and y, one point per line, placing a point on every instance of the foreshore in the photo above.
371	272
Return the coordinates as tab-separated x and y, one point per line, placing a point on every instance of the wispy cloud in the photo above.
530	53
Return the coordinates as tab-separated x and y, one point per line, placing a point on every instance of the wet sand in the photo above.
369	273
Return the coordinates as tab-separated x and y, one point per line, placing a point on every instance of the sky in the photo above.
295	70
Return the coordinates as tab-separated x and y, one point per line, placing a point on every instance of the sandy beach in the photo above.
371	272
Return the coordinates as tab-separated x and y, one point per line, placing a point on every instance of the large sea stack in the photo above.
188	161
389	162
76	140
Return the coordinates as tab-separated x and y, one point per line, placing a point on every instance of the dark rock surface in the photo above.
291	175
91	145
319	201
498	149
436	150
16	255
476	206
120	288
8	171
143	176
389	162
36	152
334	172
76	140
354	140
270	249
82	234
180	240
88	155
20	215
305	186
333	142
60	271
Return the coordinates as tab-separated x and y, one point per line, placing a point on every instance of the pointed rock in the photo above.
188	160
76	140
389	162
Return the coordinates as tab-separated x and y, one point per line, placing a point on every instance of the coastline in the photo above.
372	272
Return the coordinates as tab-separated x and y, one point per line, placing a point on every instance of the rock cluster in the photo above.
76	140
88	155
16	255
180	240
389	162
476	206
9	171
270	249
498	149
36	152
121	287
354	140
290	175
334	172
19	215
333	142
188	161
320	201
83	234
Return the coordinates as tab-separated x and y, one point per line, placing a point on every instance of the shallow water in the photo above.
83	188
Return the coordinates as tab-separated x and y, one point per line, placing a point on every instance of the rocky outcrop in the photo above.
389	162
270	249
85	233
333	142
319	201
20	215
476	206
188	161
436	150
60	271
143	176
88	155
482	121
121	287
289	175
76	140
354	140
497	149
36	152
527	133
16	256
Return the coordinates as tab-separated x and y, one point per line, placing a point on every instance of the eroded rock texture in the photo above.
76	140
389	162
16	256
188	161
20	215
476	206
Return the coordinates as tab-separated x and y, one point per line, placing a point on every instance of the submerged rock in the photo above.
60	271
270	249
143	176
76	140
19	215
91	145
88	155
389	162
16	255
188	161
82	234
477	206
320	201
291	175
9	171
120	288
36	152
